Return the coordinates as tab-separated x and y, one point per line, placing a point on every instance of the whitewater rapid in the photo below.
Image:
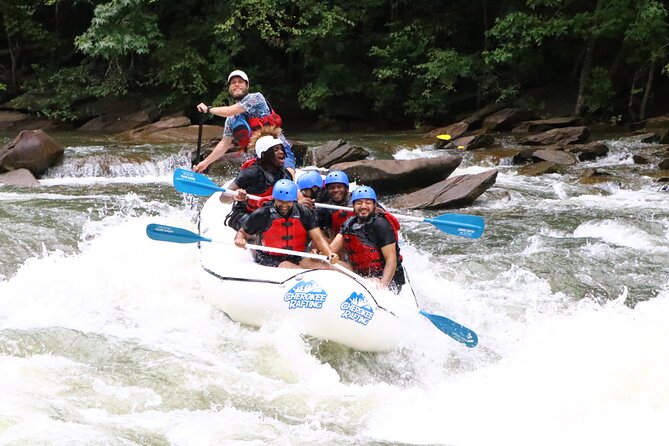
105	339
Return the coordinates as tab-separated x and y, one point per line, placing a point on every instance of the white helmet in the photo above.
239	73
265	143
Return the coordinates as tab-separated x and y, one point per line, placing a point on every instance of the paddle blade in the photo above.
189	182
464	225
172	234
444	137
458	332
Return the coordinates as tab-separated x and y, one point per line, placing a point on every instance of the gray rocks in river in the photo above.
19	177
400	175
564	135
451	193
334	152
31	149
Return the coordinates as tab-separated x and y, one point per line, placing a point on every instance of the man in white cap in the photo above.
250	112
257	177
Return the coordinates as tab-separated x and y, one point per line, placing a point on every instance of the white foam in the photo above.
620	233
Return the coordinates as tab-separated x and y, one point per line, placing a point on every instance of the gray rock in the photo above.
455	130
646	137
476	119
542	125
19	177
539	168
451	193
334	152
556	156
400	175
506	118
31	149
474	141
588	152
565	135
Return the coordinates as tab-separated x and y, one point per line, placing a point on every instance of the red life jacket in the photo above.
363	255
338	219
243	126
272	119
285	232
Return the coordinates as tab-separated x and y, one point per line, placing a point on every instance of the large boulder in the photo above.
400	175
19	177
506	118
229	164
588	152
31	149
540	168
474	141
451	193
475	120
556	156
334	152
175	129
564	135
542	125
9	119
455	130
660	126
120	122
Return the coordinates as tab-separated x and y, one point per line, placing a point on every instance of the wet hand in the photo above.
240	195
200	167
308	202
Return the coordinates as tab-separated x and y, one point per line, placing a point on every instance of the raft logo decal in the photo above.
357	309
305	294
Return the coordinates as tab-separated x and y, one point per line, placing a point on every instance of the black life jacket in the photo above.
363	255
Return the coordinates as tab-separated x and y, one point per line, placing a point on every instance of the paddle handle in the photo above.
283	251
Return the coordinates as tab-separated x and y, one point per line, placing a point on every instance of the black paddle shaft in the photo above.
199	141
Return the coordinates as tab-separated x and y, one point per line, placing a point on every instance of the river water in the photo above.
105	340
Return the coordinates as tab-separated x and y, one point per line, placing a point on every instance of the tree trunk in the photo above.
630	102
647	90
587	66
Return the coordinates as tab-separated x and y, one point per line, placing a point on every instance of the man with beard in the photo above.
285	224
250	112
257	177
368	241
336	186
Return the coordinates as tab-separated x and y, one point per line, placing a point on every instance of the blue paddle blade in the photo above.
172	234
189	182
463	225
458	332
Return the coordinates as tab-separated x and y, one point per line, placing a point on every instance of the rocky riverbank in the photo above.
493	135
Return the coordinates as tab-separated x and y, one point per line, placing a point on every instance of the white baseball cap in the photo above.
239	73
265	143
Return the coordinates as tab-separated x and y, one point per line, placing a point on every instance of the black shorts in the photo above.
265	259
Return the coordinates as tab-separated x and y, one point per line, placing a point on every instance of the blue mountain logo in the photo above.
305	294
357	309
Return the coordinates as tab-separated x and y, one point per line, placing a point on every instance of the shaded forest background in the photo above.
391	64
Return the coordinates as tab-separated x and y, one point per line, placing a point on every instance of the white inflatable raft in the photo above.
325	304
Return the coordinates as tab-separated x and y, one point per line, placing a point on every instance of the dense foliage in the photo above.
398	61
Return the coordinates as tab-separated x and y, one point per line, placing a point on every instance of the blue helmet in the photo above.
309	180
285	190
362	192
336	176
